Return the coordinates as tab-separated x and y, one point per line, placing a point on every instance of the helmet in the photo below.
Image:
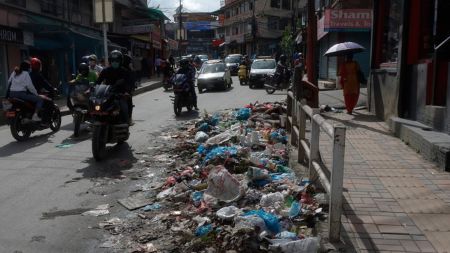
85	59
83	68
283	58
93	57
184	63
25	65
116	56
36	64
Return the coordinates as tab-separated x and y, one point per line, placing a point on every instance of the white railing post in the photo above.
337	178
314	142
289	113
301	131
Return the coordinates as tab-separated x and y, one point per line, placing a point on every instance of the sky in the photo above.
169	6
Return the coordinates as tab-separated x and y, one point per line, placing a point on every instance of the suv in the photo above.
232	61
260	70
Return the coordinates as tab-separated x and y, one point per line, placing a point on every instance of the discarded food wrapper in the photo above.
223	185
228	212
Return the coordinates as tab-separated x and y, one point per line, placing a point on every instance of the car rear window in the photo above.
267	64
213	68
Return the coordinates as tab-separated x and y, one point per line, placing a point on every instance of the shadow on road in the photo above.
120	158
185	115
217	90
15	147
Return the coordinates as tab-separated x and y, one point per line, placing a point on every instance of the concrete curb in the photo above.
65	111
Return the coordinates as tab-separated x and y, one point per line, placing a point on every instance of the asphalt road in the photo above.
44	188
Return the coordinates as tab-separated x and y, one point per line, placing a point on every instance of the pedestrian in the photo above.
158	66
137	64
349	80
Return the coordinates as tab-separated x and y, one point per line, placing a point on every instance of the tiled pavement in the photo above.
395	201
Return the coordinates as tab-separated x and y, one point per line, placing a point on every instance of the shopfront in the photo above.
11	46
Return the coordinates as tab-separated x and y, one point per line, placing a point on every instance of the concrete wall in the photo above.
383	93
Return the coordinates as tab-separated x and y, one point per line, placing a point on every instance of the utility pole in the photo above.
180	22
311	43
254	29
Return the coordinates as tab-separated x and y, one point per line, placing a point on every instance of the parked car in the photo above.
260	70
232	61
214	75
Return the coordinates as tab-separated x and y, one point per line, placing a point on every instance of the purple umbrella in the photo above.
344	48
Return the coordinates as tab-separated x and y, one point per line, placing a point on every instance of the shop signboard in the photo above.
11	35
347	20
138	29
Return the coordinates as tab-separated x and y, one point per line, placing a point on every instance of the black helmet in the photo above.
83	68
283	58
116	56
25	65
184	63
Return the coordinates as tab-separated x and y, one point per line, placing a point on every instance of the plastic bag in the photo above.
271	221
224	186
295	209
203	230
170	192
243	114
223	152
307	245
201	137
152	207
201	150
287	235
271	199
250	221
219	139
228	212
204	127
254	173
197	197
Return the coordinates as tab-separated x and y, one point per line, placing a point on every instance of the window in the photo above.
49	7
391	34
283	23
250	6
227	14
286	4
272	23
21	3
275	4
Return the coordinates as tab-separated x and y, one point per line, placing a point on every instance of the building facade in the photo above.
254	27
60	32
410	61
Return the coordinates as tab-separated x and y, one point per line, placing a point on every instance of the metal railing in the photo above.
297	114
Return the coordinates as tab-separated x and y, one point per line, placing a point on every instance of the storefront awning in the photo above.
145	38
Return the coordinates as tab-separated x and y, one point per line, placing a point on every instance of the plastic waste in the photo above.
98	211
152	207
204	127
219	139
243	114
170	192
286	235
224	186
270	220
307	245
250	221
203	230
295	209
223	152
278	136
201	220
197	197
228	212
201	137
201	150
272	199
254	173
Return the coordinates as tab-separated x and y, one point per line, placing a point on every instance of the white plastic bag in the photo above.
272	199
307	245
223	185
201	137
228	212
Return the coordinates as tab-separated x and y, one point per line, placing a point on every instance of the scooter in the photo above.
183	97
79	98
243	74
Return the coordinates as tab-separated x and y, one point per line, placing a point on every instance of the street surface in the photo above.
45	188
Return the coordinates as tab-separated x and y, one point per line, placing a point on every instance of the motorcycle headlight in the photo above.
97	107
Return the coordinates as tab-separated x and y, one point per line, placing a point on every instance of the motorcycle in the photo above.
79	99
108	126
19	112
183	96
243	74
277	81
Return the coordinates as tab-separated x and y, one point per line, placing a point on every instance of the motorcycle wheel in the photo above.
76	124
176	106
17	131
55	123
98	143
270	90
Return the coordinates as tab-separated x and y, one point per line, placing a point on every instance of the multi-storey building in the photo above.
254	26
60	32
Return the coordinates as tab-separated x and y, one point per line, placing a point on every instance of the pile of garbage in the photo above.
233	190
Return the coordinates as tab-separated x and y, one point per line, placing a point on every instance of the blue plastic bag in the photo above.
214	120
270	220
295	210
221	152
204	127
203	230
201	150
243	114
197	197
152	207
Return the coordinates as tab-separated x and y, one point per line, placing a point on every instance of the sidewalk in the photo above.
395	201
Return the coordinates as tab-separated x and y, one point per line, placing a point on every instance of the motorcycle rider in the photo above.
121	80
187	68
93	66
22	87
85	74
282	70
39	81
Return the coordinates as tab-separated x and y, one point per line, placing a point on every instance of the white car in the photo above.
260	70
214	75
